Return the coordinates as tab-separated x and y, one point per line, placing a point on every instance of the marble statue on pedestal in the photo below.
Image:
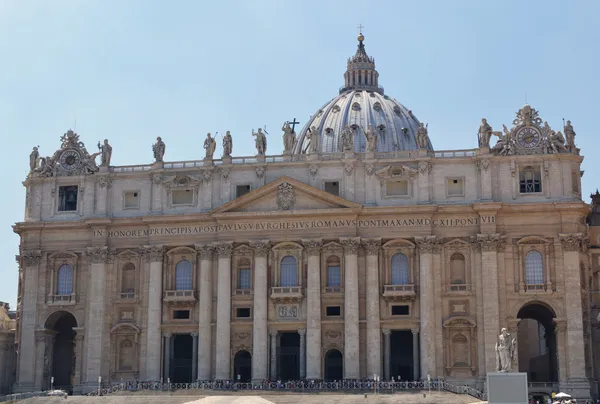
227	145
105	153
289	138
505	351
422	137
570	135
371	139
313	136
347	137
260	142
484	134
209	145
158	149
33	159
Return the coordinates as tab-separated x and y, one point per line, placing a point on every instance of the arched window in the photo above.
399	269
289	271
183	275
530	180
534	268
64	281
128	278
244	274
457	269
334	273
126	355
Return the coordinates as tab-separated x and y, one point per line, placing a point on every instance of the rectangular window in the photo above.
244	281
241	190
333	311
182	197
334	276
181	315
242	312
396	188
131	200
455	186
67	198
530	180
333	187
400	310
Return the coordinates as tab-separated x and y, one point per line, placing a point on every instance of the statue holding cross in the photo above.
289	137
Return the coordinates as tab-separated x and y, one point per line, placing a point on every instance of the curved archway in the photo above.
242	366
537	350
334	365
63	349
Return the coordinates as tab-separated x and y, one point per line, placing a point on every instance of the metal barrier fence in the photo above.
22	396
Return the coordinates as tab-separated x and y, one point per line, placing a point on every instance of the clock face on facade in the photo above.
70	159
528	137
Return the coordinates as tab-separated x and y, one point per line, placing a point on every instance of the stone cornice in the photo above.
261	247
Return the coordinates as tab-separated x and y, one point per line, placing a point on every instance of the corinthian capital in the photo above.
371	245
350	244
261	247
205	250
31	258
99	254
571	241
313	246
427	244
489	242
153	253
224	249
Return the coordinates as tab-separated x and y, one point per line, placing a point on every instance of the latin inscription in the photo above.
294	225
287	311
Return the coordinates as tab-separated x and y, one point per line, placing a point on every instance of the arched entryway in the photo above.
242	367
536	340
334	365
62	363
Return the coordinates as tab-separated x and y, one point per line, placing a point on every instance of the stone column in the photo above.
156	201
205	301
351	331
313	309
372	247
415	333
483	166
386	353
302	333
273	335
260	340
78	359
575	364
154	256
560	326
43	353
488	244
30	261
95	322
207	191
168	337
426	303
104	182
194	356
223	343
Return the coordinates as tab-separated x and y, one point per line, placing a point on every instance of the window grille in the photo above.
244	279
64	285
289	271
183	275
334	276
534	268
399	269
530	181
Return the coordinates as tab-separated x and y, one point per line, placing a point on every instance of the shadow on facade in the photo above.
334	365
537	343
60	362
289	356
242	366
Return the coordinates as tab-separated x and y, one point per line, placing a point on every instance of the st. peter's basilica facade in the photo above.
360	251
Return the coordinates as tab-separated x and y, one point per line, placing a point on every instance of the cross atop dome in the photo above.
361	73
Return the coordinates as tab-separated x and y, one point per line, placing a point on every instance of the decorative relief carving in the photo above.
261	247
260	172
370	169
349	168
205	250
333	334
489	242
104	181
31	258
571	242
100	255
350	244
225	174
157	179
207	175
482	165
153	253
286	198
371	245
332	247
224	249
242	336
128	255
425	167
427	244
313	170
287	311
313	246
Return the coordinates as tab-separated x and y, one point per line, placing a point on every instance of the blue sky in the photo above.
133	70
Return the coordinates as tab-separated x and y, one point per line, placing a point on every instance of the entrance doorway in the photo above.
289	356
401	355
537	343
242	367
62	367
334	365
181	365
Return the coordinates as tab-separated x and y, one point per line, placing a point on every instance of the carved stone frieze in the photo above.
482	165
31	258
260	172
349	168
350	244
224	249
225	174
313	246
286	197
157	179
99	255
206	175
128	255
334	334
425	167
313	170
261	247
104	181
153	253
371	245
370	169
427	244
205	250
489	242
571	241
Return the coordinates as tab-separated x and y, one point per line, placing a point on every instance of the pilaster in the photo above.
424	187
313	308
415	334
273	335
387	352
426	246
194	355
223	351
260	340
153	254
351	330
373	341
302	333
205	253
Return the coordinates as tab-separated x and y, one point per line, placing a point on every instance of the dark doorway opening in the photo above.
289	356
181	365
401	352
62	365
537	343
242	367
334	365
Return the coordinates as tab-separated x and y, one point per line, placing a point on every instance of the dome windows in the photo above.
377	106
336	108
397	110
356	106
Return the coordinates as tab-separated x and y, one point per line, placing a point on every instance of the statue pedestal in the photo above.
287	157
312	157
369	155
422	152
104	169
507	388
208	162
157	165
260	158
349	155
226	159
483	150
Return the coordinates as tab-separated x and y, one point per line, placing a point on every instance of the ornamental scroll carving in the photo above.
371	245
313	246
350	244
489	242
100	255
483	165
261	247
153	253
205	250
286	198
224	249
31	258
427	244
571	242
425	167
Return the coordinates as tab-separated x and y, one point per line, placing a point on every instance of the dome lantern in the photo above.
361	73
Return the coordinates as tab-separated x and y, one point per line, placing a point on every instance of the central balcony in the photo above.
61	300
286	294
399	292
179	296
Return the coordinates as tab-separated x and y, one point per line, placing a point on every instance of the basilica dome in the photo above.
362	103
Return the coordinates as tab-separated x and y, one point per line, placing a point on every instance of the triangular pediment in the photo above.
286	194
